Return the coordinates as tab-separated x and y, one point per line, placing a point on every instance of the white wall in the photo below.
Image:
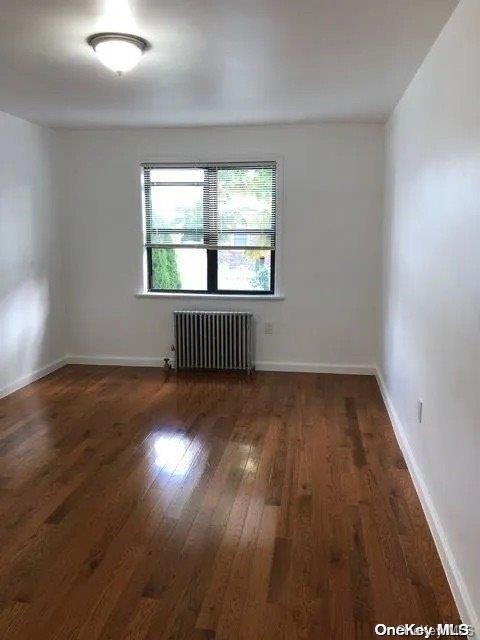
431	293
31	308
333	187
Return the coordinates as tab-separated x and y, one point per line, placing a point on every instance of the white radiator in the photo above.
214	340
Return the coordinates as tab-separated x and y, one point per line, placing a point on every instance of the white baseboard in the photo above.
316	367
306	367
32	377
455	579
115	361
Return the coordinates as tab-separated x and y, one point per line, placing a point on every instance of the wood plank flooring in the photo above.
208	507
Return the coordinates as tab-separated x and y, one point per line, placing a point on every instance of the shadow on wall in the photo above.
24	311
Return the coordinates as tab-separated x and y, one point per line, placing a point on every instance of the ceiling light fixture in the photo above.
119	52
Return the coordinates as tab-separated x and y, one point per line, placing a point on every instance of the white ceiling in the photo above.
214	61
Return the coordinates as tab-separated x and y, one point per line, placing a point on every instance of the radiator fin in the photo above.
214	340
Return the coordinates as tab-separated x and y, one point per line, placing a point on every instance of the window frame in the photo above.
212	254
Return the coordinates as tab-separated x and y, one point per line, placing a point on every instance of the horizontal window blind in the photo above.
212	206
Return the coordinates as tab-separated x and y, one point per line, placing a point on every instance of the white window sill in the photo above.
207	296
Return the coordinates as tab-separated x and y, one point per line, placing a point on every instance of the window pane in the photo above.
177	175
179	269
239	239
244	270
177	207
245	198
182	237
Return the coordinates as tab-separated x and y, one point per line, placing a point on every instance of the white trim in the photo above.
316	367
301	367
206	296
115	361
32	377
457	585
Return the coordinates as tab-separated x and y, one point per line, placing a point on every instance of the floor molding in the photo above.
316	367
454	576
115	361
301	367
32	377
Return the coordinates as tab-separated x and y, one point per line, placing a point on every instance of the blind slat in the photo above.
237	208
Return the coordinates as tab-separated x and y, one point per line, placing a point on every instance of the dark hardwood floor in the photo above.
277	506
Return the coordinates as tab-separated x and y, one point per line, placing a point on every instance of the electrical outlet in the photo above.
269	328
420	410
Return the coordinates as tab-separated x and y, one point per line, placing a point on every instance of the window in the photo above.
210	228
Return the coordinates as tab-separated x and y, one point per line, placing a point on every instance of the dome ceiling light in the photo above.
119	52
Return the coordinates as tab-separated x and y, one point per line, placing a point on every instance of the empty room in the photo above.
239	319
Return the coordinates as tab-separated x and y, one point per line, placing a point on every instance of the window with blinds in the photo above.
210	227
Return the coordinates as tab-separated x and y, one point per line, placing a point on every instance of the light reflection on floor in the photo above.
174	453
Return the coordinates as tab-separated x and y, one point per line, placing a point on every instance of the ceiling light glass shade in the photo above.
117	51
